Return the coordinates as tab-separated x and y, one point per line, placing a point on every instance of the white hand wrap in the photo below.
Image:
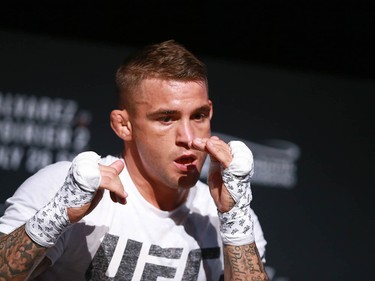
79	188
237	225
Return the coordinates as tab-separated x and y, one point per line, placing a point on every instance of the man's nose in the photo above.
185	133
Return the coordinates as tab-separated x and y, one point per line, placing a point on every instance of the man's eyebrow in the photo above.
161	111
164	112
204	108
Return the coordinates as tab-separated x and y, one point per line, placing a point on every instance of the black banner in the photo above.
311	137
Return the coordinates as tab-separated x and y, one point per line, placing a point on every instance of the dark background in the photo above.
323	228
325	36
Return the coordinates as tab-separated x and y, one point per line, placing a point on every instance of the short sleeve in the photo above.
32	195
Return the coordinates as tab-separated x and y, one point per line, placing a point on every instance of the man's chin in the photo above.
189	180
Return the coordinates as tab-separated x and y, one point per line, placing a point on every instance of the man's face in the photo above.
168	116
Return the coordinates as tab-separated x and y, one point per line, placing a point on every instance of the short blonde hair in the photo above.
168	60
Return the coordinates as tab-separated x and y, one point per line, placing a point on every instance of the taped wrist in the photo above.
79	188
237	225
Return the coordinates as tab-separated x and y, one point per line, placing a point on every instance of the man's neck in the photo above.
161	197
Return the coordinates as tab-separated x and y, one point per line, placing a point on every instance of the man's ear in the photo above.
211	109
120	124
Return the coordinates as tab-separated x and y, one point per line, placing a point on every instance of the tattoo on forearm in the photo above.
18	255
243	263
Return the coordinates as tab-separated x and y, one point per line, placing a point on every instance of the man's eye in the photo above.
199	116
165	119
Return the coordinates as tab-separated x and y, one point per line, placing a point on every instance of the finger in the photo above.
113	196
219	151
199	144
118	165
117	199
111	181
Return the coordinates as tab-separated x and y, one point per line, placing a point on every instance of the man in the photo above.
63	224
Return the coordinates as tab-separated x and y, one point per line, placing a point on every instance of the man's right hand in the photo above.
110	180
80	193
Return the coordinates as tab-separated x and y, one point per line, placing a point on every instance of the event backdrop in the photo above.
309	133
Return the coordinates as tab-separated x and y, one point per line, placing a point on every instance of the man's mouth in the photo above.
186	163
185	160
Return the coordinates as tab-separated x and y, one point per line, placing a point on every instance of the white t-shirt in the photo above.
135	241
